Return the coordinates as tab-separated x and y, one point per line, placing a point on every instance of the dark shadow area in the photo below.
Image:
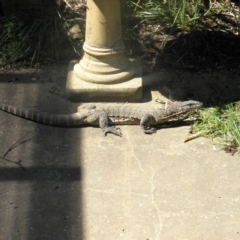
36	31
203	50
40	173
211	88
44	199
54	207
201	65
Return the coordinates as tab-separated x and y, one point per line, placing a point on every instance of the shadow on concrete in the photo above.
43	200
211	88
53	205
40	173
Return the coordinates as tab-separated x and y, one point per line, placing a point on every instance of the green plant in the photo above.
33	34
11	38
223	122
181	14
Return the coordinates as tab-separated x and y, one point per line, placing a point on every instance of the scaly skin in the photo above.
89	114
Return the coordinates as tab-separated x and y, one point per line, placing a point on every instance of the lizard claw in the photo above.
112	130
150	130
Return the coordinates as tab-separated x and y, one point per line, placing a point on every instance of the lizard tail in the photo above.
61	120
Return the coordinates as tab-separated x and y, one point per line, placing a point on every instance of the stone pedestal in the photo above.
104	73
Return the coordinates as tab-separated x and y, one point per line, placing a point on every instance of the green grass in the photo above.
181	14
34	34
220	122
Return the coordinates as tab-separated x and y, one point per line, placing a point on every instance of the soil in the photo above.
202	64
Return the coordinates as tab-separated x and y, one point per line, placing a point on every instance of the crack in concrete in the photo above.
134	155
116	192
158	226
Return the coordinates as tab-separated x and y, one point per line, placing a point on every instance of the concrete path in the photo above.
73	183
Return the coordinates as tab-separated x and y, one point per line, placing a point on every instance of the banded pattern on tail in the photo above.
61	120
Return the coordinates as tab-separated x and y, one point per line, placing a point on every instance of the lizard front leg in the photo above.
144	124
104	122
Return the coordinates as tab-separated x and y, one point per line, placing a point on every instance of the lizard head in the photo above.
188	105
184	108
177	111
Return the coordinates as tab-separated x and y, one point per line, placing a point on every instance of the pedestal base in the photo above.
82	91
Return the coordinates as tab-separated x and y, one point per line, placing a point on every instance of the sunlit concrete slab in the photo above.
158	187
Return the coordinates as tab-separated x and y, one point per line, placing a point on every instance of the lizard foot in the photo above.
149	130
144	124
112	130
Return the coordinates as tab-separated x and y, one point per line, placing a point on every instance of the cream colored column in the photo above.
104	72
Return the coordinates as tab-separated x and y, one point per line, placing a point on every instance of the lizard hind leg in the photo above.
104	123
144	124
87	106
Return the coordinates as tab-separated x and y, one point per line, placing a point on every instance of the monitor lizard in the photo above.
105	117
